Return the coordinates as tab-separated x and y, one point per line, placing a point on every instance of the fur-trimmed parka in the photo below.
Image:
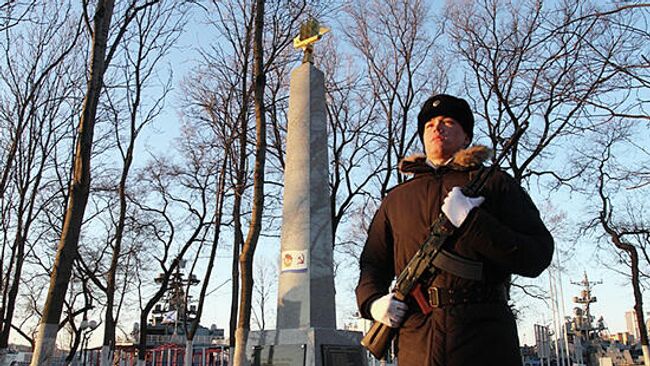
505	233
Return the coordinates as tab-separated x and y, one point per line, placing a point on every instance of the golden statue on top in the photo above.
310	33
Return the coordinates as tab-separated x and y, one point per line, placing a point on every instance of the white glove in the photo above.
388	310
457	206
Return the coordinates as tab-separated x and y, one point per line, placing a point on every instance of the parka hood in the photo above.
463	159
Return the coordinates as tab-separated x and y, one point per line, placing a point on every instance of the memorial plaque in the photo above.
334	355
279	355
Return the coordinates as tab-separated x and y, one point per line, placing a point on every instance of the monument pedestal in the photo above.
305	347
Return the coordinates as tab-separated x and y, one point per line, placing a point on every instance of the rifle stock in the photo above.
378	338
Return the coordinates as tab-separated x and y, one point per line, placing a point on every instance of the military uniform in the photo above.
471	323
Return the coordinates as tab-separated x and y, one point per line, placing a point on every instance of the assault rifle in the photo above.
431	258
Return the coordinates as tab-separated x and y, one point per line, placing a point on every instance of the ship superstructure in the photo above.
586	338
173	315
582	340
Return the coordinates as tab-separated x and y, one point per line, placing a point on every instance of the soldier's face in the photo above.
443	136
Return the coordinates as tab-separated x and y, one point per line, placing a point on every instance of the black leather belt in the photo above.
439	297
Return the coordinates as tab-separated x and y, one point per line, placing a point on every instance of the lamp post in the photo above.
87	327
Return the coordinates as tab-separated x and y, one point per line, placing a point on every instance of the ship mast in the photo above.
582	324
175	306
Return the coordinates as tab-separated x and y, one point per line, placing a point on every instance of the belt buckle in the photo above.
434	297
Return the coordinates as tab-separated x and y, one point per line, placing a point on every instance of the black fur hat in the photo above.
450	106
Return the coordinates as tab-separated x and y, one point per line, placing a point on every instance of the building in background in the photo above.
624	338
631	323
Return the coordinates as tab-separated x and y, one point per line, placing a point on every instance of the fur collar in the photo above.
463	159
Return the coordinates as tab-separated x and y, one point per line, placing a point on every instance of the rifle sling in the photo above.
458	266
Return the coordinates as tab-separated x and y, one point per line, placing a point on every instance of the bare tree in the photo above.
37	91
46	58
538	68
373	91
155	29
621	215
176	199
542	68
231	69
87	304
13	13
212	98
79	188
394	41
250	245
266	276
356	147
220	194
235	24
208	129
627	27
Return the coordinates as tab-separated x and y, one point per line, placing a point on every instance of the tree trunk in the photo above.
638	304
239	356
73	356
106	355
239	193
240	188
109	319
18	255
189	352
11	296
142	339
248	252
234	301
19	243
78	193
619	242
638	297
213	254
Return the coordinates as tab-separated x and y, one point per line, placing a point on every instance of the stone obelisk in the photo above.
306	282
306	317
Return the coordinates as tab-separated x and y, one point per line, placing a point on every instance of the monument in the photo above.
306	333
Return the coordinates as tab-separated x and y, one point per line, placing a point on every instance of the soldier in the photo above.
471	322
